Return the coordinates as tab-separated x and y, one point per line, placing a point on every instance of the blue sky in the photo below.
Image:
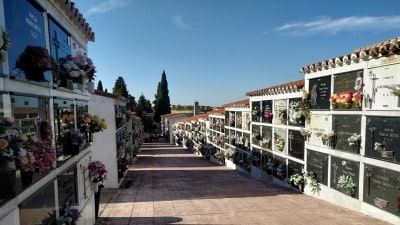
214	51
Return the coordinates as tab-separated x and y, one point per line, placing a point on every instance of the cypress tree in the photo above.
162	103
100	86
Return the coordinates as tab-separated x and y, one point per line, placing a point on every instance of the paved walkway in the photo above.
168	185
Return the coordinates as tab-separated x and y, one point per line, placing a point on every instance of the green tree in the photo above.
100	86
162	103
120	87
131	102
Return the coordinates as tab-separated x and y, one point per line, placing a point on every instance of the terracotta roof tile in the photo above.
240	103
277	89
381	49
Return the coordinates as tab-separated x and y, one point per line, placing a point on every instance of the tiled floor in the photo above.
168	185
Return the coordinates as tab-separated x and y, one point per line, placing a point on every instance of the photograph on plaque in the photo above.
280	112
280	140
320	91
317	162
296	144
345	176
382	139
381	85
381	188
267	113
347	91
348	132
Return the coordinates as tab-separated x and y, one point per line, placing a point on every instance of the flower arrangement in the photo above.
313	183
86	65
5	44
305	132
297	179
346	183
354	140
268	114
94	123
69	215
378	146
329	135
394	89
43	154
97	171
26	159
34	61
69	70
229	153
279	142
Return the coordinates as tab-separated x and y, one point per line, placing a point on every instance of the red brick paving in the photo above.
168	185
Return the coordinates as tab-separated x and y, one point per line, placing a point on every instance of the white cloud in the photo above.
106	6
333	26
178	21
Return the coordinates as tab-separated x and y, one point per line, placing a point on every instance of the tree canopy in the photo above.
120	87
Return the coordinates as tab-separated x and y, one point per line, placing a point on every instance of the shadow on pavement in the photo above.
137	220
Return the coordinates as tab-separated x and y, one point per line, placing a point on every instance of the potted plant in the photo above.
97	173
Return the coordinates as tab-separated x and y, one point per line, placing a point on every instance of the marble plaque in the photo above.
294	167
382	138
266	141
320	91
256	111
319	125
377	87
317	162
40	207
267	112
294	116
348	86
381	188
345	127
344	175
296	144
280	167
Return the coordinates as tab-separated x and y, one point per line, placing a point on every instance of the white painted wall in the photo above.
104	143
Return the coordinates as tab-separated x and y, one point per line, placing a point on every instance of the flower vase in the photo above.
26	178
97	199
91	87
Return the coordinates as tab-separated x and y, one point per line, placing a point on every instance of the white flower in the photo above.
74	73
67	66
